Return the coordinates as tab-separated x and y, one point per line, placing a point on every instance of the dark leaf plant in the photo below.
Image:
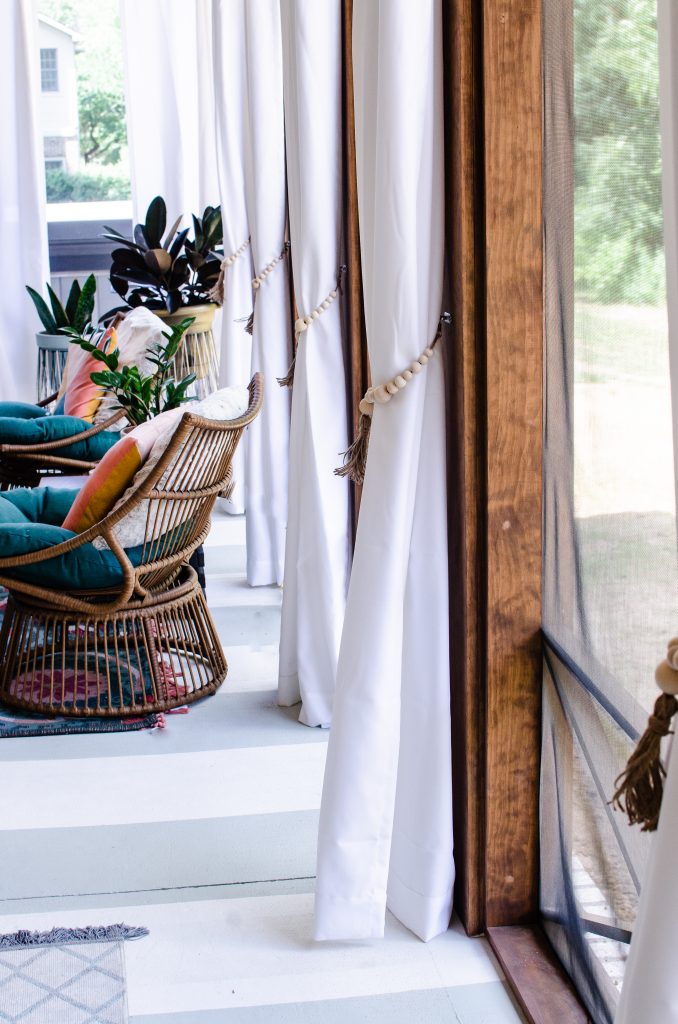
166	268
75	315
142	396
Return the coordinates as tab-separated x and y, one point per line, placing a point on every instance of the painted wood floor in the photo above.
205	833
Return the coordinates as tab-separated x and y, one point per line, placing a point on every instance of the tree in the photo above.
102	126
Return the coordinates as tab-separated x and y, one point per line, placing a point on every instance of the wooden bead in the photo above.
408	375
300	325
400	382
366	407
415	367
667	678
423	359
391	388
428	352
381	395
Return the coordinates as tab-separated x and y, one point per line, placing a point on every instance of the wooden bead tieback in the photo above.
261	277
303	323
355	457
640	787
217	292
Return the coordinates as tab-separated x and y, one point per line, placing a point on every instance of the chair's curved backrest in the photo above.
181	490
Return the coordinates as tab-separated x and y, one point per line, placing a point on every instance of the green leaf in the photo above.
58	310
46	318
72	301
85	305
156	221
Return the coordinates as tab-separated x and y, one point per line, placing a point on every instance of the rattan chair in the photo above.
149	644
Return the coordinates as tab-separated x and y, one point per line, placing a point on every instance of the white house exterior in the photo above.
58	95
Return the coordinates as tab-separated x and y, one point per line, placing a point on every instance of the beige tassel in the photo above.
640	787
288	380
355	457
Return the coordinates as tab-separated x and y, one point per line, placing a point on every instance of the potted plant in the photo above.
142	396
57	320
170	271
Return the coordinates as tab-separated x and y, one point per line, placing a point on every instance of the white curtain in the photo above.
317	555
268	437
650	990
386	816
186	102
23	253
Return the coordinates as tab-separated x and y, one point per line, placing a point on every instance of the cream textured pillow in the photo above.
227	404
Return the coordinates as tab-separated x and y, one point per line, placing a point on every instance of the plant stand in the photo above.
197	353
52	352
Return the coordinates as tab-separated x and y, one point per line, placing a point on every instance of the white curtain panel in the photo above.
23	254
650	990
230	88
268	437
386	816
317	553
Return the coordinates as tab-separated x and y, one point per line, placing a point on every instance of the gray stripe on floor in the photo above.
214	851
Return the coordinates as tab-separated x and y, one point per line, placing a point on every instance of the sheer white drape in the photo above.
268	437
186	121
650	990
386	816
317	555
23	253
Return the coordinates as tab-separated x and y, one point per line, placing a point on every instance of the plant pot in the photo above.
197	353
52	352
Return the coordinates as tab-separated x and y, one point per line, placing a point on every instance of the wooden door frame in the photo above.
493	140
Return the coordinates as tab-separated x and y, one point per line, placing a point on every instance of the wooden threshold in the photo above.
539	984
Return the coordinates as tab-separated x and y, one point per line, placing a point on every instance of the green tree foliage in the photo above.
63	187
618	209
102	126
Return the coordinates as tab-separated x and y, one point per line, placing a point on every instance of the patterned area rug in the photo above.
66	976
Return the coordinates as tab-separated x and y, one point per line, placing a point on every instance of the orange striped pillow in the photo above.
108	482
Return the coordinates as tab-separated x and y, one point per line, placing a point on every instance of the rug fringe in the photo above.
71	936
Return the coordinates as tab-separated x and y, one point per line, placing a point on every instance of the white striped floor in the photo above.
205	832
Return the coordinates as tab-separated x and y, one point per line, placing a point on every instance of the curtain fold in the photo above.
650	992
268	437
317	552
24	254
386	817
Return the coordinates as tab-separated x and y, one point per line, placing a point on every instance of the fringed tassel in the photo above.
70	936
249	326
355	457
641	786
288	380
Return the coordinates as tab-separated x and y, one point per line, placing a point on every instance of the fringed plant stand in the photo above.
197	353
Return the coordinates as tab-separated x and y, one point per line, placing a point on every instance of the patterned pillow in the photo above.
82	396
227	404
115	472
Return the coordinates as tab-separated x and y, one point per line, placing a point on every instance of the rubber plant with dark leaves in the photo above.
77	312
167	268
142	396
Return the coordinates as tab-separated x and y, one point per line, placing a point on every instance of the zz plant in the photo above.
75	315
167	269
142	396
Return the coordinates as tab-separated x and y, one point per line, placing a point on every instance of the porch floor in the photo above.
205	833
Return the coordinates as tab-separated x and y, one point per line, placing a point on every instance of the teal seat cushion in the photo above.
85	568
22	411
41	429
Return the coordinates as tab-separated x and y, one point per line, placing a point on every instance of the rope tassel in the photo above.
355	457
288	380
640	787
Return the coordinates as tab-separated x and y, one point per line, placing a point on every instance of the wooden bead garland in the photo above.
261	277
303	323
217	293
355	458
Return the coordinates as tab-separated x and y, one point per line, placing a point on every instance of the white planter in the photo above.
52	342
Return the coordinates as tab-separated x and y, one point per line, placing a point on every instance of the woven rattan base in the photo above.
150	656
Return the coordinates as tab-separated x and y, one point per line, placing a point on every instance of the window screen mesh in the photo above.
610	563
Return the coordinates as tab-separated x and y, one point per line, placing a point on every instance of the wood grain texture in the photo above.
465	447
539	983
512	85
353	309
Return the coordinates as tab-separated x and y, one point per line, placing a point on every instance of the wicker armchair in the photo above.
149	643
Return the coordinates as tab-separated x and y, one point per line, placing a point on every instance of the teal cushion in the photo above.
85	568
15	430
60	408
22	410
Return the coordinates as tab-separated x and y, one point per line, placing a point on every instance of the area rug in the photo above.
66	976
